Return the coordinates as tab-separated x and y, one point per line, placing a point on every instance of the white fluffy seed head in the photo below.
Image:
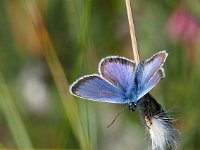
158	124
162	133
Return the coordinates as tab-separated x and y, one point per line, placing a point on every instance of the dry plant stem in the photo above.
135	50
132	32
134	46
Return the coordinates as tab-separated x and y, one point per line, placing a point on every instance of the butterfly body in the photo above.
120	80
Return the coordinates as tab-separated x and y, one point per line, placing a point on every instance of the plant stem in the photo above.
132	31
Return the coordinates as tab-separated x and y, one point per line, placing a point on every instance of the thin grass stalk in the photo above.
132	32
69	104
12	116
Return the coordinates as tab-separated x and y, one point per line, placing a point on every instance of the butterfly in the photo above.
121	80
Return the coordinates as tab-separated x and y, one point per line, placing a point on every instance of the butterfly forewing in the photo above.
119	71
95	88
153	65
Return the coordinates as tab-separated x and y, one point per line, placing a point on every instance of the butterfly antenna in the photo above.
117	116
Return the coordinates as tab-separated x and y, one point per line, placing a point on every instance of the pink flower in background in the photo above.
191	30
176	25
183	27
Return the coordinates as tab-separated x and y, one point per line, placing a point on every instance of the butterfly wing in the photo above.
152	65
152	82
95	88
117	78
149	73
119	71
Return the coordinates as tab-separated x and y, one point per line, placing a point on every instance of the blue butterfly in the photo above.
121	80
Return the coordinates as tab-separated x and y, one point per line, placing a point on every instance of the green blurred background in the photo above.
47	44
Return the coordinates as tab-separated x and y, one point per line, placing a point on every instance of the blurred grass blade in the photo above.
79	13
12	116
70	106
78	18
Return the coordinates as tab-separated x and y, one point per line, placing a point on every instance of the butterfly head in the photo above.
132	106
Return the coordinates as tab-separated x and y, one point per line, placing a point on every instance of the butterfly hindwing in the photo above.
93	87
119	71
152	82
